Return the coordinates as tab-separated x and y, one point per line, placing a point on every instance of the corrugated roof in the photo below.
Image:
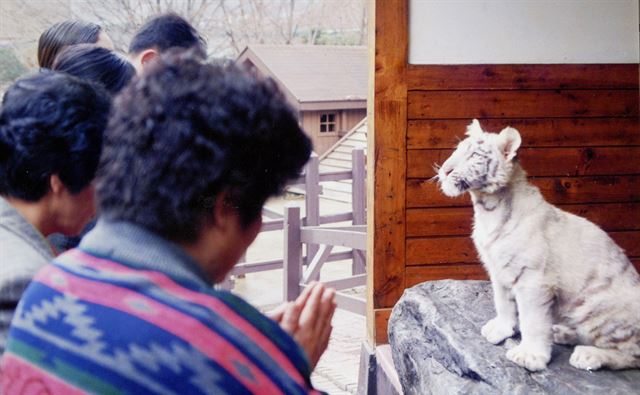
317	72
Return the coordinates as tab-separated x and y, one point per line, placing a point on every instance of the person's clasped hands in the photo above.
308	319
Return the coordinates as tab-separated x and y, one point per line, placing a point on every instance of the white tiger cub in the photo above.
557	276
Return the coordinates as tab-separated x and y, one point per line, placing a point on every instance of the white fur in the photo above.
546	266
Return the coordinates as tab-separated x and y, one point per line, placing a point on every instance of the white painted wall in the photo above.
523	31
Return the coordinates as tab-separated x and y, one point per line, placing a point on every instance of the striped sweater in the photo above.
92	323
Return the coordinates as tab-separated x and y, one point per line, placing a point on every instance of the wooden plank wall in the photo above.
581	146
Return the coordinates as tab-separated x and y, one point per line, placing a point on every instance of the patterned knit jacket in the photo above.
130	313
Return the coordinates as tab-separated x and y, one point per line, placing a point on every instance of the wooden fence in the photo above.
320	240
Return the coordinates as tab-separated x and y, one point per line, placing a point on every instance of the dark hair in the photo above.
50	123
187	131
62	34
97	64
167	31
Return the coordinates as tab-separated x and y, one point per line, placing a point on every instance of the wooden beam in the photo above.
336	176
340	256
312	200
523	76
381	319
292	265
358	204
346	283
347	228
333	218
386	154
313	270
522	104
276	224
270	213
460	249
456	221
544	162
536	132
557	190
351	303
420	274
441	250
334	237
260	266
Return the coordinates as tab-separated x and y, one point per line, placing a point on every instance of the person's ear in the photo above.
223	213
147	56
56	185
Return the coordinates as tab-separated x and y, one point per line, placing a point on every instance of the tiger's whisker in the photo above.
436	169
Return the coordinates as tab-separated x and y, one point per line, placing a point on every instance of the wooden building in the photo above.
327	85
564	73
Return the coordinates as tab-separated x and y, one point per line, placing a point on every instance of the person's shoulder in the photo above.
18	258
23	247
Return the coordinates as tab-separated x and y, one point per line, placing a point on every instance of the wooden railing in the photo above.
320	240
296	276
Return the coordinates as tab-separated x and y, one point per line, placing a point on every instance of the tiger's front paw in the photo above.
532	358
496	330
587	358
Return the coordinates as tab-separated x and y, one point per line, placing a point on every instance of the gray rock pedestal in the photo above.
437	348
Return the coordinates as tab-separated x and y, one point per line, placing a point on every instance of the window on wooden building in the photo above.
328	122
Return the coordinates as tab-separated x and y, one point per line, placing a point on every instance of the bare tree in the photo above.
227	25
121	18
294	22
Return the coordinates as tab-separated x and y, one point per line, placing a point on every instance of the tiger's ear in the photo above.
474	129
508	142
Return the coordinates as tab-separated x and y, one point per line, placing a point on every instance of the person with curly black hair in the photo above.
161	33
51	128
192	153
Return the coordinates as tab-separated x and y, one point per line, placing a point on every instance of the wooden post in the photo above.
292	265
386	160
358	202
313	269
242	259
312	201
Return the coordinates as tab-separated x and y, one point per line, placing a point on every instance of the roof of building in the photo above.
314	73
